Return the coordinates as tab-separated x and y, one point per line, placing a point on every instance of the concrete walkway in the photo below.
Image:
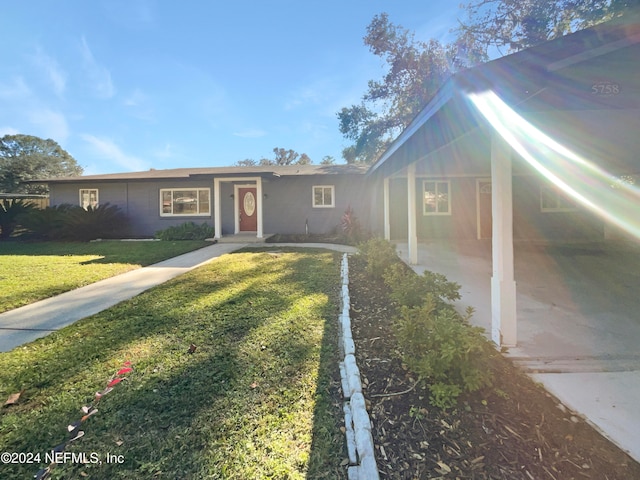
578	324
36	320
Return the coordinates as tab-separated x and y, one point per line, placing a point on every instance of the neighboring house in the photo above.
253	200
531	145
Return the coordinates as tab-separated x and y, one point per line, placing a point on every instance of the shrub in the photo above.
445	351
47	223
11	212
186	231
379	255
103	221
411	290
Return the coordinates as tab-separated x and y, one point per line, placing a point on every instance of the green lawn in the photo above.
32	271
254	400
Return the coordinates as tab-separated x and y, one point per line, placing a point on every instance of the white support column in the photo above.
217	212
259	201
412	231
387	221
503	285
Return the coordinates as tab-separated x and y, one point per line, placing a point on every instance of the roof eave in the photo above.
443	95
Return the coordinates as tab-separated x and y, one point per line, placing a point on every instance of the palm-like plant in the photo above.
103	221
47	223
10	212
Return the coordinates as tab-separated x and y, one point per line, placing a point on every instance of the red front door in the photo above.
248	208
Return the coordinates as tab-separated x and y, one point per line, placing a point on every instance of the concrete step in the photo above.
579	364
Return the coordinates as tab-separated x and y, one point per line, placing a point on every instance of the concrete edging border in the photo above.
362	461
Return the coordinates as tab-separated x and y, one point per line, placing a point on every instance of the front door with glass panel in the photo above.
247	209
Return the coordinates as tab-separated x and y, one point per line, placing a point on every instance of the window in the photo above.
435	198
323	196
193	201
552	200
89	198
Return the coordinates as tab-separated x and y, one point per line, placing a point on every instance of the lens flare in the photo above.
592	187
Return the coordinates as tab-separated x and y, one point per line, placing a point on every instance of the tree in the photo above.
25	157
328	160
247	162
304	160
520	24
285	157
415	72
282	157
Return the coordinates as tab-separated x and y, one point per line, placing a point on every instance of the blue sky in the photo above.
126	85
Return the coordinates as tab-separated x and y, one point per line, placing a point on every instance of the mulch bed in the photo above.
515	430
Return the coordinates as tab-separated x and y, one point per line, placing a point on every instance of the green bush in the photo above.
47	223
11	212
411	290
379	255
186	231
72	222
444	350
103	221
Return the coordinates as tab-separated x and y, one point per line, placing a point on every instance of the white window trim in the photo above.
333	196
198	190
88	190
558	195
429	214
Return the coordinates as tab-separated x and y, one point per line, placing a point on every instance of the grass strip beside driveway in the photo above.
34	271
253	401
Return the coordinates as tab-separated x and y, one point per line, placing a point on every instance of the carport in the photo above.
566	111
576	338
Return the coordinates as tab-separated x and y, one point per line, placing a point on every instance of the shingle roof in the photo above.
176	173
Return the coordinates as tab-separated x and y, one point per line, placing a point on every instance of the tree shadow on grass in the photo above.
327	444
180	413
327	447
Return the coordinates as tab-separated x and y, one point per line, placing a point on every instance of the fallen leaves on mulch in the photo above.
515	430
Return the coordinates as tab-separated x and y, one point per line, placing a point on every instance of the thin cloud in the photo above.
324	96
314	129
313	94
139	105
135	99
8	131
17	88
52	71
108	150
52	124
137	15
98	75
251	133
166	152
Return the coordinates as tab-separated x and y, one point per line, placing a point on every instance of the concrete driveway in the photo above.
578	310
